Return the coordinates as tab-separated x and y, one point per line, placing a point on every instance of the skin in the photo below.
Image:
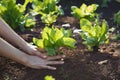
28	55
16	40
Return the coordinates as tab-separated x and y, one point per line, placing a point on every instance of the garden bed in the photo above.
80	64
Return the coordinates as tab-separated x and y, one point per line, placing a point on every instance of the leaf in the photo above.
58	35
38	42
69	42
35	40
67	33
48	43
91	41
104	27
85	24
51	51
45	32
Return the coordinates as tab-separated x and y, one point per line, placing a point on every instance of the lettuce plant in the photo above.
48	10
117	18
54	38
84	11
14	14
94	34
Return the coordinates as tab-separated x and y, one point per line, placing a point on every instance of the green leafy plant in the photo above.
48	77
54	38
94	34
48	10
117	18
14	14
85	11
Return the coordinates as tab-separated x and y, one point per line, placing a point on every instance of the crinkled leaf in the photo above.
58	35
69	42
67	33
85	24
38	42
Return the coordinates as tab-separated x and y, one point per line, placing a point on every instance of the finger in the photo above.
49	67
37	53
55	62
56	57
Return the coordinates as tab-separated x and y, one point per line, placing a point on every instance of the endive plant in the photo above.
15	14
85	11
48	9
95	34
54	38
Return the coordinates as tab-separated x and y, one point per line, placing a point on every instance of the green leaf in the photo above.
38	42
69	42
85	24
67	33
58	35
45	32
51	51
104	27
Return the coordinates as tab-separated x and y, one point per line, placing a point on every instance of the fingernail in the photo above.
62	62
63	56
54	68
62	59
44	56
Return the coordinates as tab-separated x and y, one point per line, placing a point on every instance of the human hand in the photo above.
40	63
32	50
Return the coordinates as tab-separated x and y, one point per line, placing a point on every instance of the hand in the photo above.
32	50
40	63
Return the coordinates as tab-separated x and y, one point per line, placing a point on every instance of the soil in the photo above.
80	64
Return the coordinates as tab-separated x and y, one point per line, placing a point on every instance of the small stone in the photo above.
103	62
66	25
77	31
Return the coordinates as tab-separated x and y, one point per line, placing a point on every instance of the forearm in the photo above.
12	37
13	53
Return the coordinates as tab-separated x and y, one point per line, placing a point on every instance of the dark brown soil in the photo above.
80	64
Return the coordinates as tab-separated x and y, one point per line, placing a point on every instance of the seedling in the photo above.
54	38
48	10
94	34
14	14
85	11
